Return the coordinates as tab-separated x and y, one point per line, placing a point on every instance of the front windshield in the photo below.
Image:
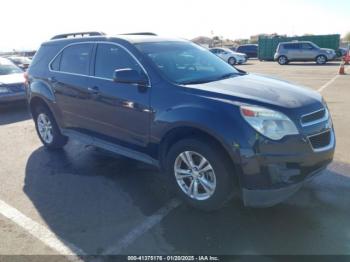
186	63
8	68
314	45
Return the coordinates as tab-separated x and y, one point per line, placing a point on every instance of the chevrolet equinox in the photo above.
212	129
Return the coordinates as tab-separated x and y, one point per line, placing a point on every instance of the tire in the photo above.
321	60
47	129
282	60
214	186
232	61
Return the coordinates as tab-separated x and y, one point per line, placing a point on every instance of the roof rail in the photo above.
78	34
140	33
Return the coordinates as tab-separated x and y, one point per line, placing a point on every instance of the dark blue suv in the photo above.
213	129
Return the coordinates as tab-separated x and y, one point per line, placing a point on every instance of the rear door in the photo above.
293	51
70	81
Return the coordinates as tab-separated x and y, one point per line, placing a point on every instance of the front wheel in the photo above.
47	129
282	60
321	60
200	174
232	61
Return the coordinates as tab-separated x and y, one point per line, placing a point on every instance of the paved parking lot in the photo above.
83	201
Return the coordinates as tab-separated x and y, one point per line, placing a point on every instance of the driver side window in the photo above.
111	57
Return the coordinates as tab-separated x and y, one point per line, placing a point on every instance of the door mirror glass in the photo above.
130	76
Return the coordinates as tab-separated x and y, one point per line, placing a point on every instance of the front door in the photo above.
307	51
120	111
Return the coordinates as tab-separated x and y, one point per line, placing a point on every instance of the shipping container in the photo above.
268	45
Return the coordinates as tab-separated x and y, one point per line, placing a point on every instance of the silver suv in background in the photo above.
302	51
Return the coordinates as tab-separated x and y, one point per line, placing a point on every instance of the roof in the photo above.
131	38
295	42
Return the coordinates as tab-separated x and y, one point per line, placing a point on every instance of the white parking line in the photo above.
146	225
327	84
41	232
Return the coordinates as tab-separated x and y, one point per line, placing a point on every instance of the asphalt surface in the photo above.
97	203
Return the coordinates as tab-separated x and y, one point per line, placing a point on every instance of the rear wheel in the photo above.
199	173
47	129
232	61
321	60
282	60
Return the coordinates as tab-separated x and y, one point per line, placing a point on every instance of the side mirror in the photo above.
130	76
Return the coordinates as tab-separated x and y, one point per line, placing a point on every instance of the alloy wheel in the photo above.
195	175
321	60
45	128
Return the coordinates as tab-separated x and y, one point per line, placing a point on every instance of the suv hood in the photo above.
263	90
11	79
327	50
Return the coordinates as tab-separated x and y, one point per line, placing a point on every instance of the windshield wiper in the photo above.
229	75
202	81
194	82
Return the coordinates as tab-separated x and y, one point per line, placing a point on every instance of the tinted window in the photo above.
243	48
75	59
291	46
306	46
111	57
55	65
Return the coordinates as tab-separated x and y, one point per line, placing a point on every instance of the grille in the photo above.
320	140
305	119
16	88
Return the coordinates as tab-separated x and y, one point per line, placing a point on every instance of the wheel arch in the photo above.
36	101
187	131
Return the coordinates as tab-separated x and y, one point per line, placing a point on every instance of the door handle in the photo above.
94	90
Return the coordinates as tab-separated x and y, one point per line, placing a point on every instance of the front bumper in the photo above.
279	170
271	197
331	57
242	60
12	97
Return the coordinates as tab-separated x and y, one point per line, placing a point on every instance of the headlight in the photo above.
269	123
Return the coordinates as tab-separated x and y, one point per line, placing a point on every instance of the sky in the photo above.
27	23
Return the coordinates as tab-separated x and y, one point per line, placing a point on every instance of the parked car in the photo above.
250	50
21	61
342	51
11	82
302	51
229	56
212	129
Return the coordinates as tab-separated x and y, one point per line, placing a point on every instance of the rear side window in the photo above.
306	46
74	59
291	46
112	57
55	65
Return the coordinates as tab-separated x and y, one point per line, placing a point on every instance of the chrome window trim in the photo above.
327	147
97	42
323	119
